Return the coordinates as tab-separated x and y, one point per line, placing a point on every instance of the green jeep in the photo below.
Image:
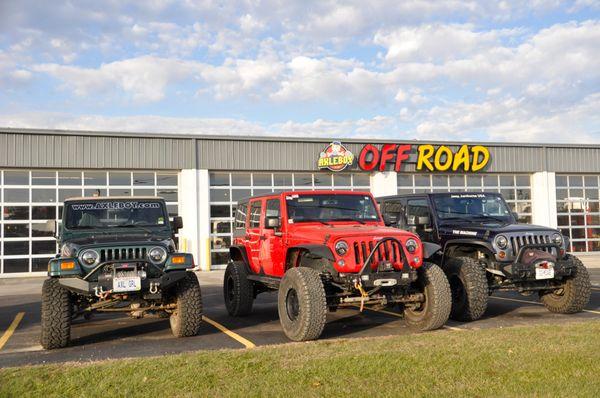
118	255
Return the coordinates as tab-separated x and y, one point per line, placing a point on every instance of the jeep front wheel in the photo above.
238	291
434	311
57	310
301	304
186	319
469	288
574	295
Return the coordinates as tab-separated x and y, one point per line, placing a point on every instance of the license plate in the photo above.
546	272
127	284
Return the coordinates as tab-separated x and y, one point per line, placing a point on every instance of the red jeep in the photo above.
328	249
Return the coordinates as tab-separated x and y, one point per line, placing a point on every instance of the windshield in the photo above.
472	207
303	208
115	213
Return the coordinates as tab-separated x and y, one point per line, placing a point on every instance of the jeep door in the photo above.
253	234
417	208
271	251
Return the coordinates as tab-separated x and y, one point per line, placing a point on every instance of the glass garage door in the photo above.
227	188
29	198
516	188
578	211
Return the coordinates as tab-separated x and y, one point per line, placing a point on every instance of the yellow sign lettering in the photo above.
425	153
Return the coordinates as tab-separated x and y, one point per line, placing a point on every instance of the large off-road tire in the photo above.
57	311
574	295
434	312
238	291
469	287
302	304
186	319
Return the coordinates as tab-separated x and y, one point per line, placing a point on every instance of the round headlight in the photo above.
157	255
89	257
557	239
411	245
501	242
341	248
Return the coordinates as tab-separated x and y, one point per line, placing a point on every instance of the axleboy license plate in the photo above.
545	271
127	284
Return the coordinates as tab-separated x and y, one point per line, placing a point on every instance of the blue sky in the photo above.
463	70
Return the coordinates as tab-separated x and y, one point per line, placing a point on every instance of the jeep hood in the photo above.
319	233
491	227
109	239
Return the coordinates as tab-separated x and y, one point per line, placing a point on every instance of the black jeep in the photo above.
118	255
481	247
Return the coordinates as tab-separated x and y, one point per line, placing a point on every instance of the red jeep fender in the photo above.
238	253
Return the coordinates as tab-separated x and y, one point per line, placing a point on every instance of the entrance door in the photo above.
254	241
271	251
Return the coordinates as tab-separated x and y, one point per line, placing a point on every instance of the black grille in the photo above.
516	242
123	253
388	251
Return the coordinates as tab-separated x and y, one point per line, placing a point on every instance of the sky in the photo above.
508	71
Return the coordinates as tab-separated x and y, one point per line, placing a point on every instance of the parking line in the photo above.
400	316
535	302
245	342
11	329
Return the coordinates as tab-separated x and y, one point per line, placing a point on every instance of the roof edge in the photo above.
325	140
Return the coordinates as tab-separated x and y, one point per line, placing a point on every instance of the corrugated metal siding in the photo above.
261	155
573	160
98	152
48	149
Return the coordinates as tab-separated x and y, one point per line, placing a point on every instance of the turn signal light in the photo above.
178	260
502	254
67	265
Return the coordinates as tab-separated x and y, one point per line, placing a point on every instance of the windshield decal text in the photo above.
115	205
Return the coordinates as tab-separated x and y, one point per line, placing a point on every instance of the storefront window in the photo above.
28	199
578	210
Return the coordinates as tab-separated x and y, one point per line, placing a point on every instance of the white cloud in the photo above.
144	78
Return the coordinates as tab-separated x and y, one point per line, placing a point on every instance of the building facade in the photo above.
202	177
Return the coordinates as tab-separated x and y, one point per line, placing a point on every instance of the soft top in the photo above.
306	192
407	195
99	198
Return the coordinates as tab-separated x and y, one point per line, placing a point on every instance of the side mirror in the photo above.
273	222
422	220
418	220
390	219
515	215
177	223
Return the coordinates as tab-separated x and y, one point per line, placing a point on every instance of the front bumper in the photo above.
381	278
90	288
521	272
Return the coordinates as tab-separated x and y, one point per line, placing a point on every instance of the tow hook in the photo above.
153	287
101	293
363	295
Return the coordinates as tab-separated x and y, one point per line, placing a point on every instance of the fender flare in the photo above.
429	249
470	242
319	250
238	253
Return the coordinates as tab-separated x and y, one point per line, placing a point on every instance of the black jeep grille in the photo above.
516	242
388	251
123	253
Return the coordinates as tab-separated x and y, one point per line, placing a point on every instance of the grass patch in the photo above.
543	360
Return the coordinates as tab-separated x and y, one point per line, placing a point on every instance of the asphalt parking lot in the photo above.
108	336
